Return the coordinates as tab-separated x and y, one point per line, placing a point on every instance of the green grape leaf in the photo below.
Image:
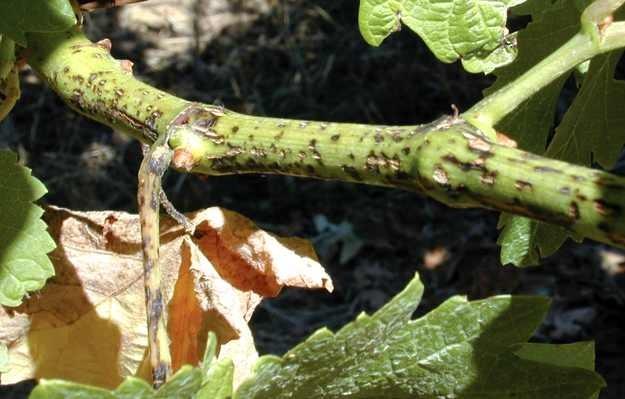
134	388
473	31
578	354
592	128
212	380
184	384
218	381
461	349
24	241
20	17
524	241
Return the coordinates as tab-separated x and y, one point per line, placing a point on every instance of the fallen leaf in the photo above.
88	324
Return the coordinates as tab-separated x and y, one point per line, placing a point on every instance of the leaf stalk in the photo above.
583	46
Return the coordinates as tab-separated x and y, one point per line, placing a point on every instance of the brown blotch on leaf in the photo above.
107	230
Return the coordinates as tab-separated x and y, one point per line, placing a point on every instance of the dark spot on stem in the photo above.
546	169
440	176
159	374
574	211
148	264
488	177
154	201
396	136
378	137
604	226
352	172
521	185
605	208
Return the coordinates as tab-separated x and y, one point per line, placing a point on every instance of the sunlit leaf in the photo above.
20	17
473	31
24	241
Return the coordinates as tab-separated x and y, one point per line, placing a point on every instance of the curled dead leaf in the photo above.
89	325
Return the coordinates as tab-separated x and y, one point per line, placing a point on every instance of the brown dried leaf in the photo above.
89	325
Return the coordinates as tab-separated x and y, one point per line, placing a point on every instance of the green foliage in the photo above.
578	354
20	17
462	349
473	31
184	384
24	241
524	241
590	130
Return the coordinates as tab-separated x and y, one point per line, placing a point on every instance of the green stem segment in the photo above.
581	47
448	160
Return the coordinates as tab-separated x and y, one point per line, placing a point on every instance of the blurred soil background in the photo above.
302	59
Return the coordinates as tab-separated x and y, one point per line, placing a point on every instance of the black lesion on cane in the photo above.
521	185
574	211
159	374
148	266
156	306
464	166
154	200
605	208
147	240
352	172
156	165
546	169
605	227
